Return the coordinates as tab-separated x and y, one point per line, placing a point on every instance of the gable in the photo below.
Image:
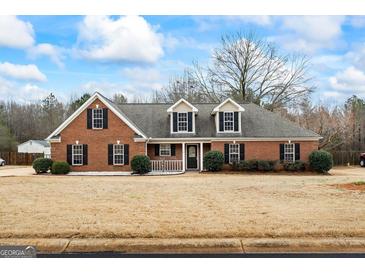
182	107
96	98
229	106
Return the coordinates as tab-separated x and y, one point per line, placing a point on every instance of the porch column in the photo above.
183	156
201	156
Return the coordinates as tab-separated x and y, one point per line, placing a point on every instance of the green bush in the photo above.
42	165
296	166
265	165
244	165
141	164
320	161
60	168
252	165
213	160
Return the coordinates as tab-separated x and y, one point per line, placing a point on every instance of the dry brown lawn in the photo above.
190	205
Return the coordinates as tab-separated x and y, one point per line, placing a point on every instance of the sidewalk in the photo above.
246	245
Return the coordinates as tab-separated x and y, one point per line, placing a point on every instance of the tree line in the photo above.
245	68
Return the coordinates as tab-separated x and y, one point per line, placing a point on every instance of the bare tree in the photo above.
251	70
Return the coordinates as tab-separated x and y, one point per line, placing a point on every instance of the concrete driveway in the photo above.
8	171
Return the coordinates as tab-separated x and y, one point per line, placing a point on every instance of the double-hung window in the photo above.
165	150
118	154
97	118
228	121
77	155
182	121
289	152
234	153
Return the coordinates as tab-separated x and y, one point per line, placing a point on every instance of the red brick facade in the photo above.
268	150
98	140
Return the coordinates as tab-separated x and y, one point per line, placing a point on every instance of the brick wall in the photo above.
97	141
264	150
151	153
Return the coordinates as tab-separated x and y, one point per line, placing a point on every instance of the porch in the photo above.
177	157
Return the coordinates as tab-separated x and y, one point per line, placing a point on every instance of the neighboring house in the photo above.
103	136
36	146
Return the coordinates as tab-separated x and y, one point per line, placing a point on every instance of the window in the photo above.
118	154
289	152
234	153
97	118
182	121
77	155
165	150
228	121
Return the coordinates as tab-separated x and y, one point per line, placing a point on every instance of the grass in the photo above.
186	206
359	183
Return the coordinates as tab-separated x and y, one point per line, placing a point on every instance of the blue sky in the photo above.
70	55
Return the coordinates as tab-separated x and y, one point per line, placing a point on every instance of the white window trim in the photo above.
118	164
92	118
224	121
169	149
187	122
82	155
238	153
230	131
293	154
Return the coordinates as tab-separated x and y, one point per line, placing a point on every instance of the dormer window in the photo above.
228	116
182	115
182	121
97	118
228	121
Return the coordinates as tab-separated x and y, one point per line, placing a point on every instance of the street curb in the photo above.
194	245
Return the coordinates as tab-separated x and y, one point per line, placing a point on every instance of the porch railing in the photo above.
166	165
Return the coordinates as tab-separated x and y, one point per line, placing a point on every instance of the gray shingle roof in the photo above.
154	121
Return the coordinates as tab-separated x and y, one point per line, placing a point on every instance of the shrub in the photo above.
213	160
141	164
252	165
320	161
265	165
42	165
244	165
60	168
296	166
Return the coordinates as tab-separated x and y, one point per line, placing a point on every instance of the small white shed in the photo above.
36	146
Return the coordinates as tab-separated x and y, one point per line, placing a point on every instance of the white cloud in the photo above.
351	80
22	72
310	33
54	53
260	20
21	93
128	38
139	74
15	33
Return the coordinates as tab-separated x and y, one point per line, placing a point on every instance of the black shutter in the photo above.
84	155
174	122
157	150
110	154
190	121
126	154
235	116
242	152
173	149
220	121
281	152
89	118
105	118
226	153
69	154
297	152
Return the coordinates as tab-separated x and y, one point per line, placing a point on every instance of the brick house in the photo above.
104	136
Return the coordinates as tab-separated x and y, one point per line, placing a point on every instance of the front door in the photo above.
192	159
